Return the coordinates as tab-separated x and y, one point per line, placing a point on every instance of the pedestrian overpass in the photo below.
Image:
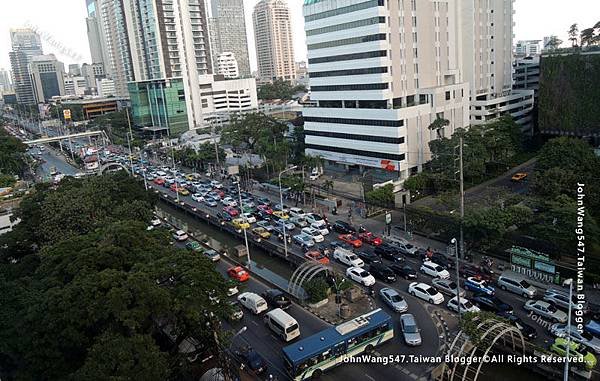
59	138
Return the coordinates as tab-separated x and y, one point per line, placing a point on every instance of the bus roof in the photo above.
319	342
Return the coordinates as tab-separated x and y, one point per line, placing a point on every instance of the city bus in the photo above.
310	357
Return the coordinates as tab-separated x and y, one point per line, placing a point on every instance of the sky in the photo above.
62	24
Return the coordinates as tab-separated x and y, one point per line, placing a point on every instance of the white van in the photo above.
253	302
282	324
347	257
297	212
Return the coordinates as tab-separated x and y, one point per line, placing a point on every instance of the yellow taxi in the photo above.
281	214
519	176
239	223
261	232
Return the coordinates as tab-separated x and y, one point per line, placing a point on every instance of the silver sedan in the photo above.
393	299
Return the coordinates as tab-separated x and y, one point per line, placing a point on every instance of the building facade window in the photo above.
349	57
380	155
360	122
367	138
356	87
347	41
344	73
344	10
345	26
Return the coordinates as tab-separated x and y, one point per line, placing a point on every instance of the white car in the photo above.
347	257
320	227
253	302
297	212
180	235
425	292
546	310
314	233
360	275
304	240
434	270
465	305
314	219
249	217
228	201
197	197
216	184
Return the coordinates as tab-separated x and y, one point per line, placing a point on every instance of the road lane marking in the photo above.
255	323
369	377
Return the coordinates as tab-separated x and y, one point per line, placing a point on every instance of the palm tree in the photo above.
573	33
587	37
438	125
328	185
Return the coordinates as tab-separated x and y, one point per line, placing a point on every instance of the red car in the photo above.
317	256
238	273
351	240
370	238
233	212
159	181
265	208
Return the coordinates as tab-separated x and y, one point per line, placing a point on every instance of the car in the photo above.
350	239
560	299
545	310
281	223
180	235
265	208
313	218
197	197
285	209
276	298
405	247
368	257
347	257
425	292
370	238
265	225
314	234
254	362
240	224
299	221
474	271
261	233
527	331
213	255
479	286
229	201
238	273
194	246
224	216
592	327
410	330
249	217
303	240
281	215
405	271
264	201
343	227
519	176
321	227
393	299
247	203
316	255
389	252
465	305
216	184
441	260
183	191
209	201
159	181
382	272
360	275
297	212
434	270
590	341
492	304
262	215
515	283
233	212
155	223
575	351
447	286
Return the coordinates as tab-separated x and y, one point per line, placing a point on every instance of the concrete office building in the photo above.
526	75
47	77
227	65
106	88
75	86
26	43
74	70
5	81
228	32
274	41
380	75
526	48
227	96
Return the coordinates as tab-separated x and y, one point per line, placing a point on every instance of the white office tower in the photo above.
487	62
227	65
75	86
381	72
26	43
274	41
528	48
169	39
106	88
221	98
47	77
228	32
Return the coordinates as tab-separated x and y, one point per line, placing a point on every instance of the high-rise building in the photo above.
381	75
74	70
274	41
227	65
76	86
47	77
96	35
527	48
26	43
106	87
228	32
5	81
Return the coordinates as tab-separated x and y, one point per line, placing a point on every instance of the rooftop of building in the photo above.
94	100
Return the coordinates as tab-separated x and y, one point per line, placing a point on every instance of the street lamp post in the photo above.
566	373
245	222
455	243
281	204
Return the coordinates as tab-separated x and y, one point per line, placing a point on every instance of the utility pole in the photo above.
462	199
129	138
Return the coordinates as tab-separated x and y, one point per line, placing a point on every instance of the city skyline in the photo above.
68	39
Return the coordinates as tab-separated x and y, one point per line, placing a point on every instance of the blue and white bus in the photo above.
310	357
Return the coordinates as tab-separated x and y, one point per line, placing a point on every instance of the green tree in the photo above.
553	42
13	160
437	125
587	37
279	89
383	196
573	33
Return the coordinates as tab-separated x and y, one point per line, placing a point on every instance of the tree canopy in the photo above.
199	158
107	299
279	89
13	160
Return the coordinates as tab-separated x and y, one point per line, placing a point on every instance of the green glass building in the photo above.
159	105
